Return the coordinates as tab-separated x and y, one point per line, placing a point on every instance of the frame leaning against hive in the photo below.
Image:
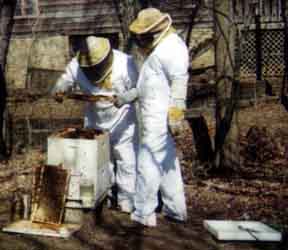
50	186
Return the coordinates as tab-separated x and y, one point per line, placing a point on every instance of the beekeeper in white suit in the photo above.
161	91
98	69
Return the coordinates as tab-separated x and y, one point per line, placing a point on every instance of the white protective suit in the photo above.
158	166
120	122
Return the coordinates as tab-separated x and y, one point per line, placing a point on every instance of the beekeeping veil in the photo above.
95	58
150	27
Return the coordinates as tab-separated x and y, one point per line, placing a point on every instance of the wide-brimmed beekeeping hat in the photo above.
95	58
150	20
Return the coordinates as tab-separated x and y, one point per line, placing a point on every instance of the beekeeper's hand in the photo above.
58	97
175	120
125	98
61	88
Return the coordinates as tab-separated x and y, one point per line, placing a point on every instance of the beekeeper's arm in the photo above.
65	82
178	99
178	75
131	93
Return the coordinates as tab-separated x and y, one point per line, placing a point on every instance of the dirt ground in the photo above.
114	230
213	198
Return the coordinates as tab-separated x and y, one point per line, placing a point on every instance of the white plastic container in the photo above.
228	230
88	161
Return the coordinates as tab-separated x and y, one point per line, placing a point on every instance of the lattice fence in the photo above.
248	58
273	53
272	47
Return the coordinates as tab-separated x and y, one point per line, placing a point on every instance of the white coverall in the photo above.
120	122
158	166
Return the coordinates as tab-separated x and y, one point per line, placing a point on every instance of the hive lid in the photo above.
28	227
228	230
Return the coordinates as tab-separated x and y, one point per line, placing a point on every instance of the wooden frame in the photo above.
49	194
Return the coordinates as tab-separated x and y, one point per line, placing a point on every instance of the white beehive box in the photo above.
241	230
87	159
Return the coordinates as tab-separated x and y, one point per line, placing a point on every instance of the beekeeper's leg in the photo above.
174	204
147	186
124	143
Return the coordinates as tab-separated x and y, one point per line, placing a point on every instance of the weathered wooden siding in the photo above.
94	16
70	17
27	56
269	10
181	12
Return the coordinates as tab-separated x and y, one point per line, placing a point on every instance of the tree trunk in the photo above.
202	139
127	11
227	70
7	8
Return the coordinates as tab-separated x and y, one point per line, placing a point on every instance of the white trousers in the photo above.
158	170
123	140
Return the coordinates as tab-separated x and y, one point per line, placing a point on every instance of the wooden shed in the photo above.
59	25
68	17
45	36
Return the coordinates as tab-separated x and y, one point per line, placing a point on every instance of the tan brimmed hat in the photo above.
150	20
93	51
95	57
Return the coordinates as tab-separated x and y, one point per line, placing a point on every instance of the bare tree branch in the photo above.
7	9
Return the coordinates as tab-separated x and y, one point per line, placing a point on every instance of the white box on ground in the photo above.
88	161
228	230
